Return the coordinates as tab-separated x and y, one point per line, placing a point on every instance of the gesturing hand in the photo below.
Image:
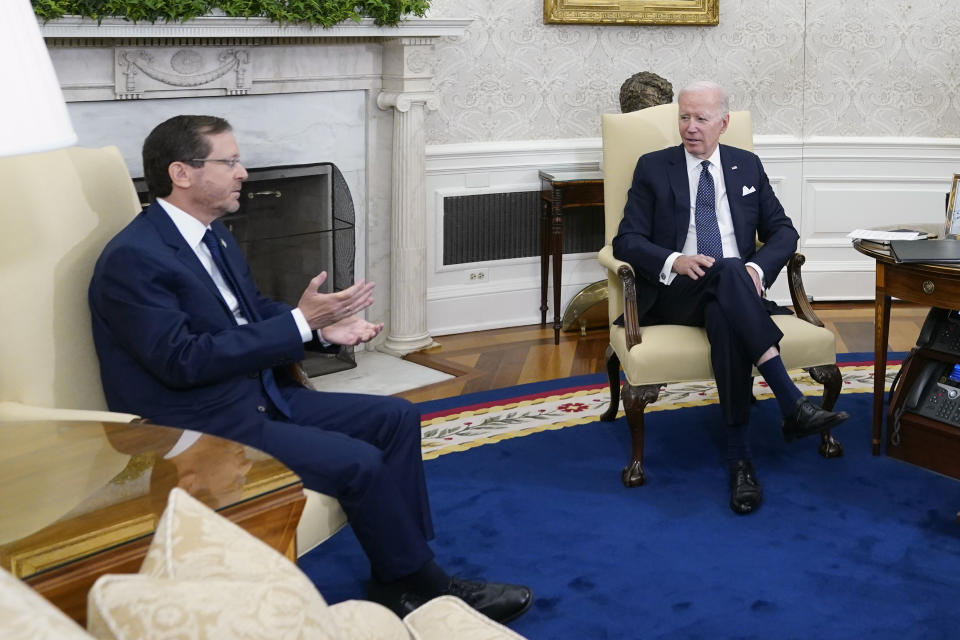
325	309
351	331
692	266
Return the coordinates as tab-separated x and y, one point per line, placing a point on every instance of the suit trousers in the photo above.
363	450
723	301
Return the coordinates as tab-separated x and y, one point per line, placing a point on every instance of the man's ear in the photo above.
179	175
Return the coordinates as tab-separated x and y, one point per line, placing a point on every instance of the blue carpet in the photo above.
857	547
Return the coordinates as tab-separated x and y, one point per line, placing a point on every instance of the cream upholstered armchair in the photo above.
657	355
58	209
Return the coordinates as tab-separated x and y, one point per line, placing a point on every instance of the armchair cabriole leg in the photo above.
613	375
829	376
635	401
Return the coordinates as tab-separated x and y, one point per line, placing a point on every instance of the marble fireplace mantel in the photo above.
224	27
357	91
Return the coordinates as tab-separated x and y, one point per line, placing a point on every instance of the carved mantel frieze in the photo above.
150	72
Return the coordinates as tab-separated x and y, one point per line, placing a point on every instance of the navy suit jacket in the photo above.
657	215
169	348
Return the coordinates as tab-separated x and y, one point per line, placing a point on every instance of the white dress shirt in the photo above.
192	231
728	238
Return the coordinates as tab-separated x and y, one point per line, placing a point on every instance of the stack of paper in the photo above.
886	236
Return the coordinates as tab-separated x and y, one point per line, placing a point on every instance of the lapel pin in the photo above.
223	243
733	168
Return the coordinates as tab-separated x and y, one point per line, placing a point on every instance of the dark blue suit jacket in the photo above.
169	347
657	215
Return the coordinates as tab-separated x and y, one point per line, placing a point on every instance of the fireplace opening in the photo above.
294	222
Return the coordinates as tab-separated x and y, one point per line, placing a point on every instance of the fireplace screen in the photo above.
294	222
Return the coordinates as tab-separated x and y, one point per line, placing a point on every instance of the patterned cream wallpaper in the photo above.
803	67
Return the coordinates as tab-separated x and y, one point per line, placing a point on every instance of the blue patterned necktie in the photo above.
705	213
266	376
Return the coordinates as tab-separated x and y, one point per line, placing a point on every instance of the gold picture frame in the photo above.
648	12
951	226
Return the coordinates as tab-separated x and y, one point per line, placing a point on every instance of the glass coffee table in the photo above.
79	499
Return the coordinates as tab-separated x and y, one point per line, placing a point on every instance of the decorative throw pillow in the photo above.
128	607
449	617
364	620
205	577
26	615
192	542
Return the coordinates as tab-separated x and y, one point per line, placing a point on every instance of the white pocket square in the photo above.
748	190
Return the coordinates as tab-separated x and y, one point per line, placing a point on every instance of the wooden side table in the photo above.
935	285
561	190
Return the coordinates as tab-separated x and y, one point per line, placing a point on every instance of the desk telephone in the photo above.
935	392
941	331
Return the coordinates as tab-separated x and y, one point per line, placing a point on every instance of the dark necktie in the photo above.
266	376
705	212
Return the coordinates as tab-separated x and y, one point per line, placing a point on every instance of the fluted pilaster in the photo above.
407	90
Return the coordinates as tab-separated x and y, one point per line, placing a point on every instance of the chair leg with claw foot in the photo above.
635	401
831	379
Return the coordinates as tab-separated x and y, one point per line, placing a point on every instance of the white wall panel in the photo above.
828	187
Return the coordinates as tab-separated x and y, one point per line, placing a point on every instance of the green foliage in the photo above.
318	12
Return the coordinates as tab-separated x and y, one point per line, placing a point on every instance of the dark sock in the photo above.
780	383
738	448
429	581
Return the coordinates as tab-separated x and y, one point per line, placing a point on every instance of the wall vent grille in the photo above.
500	226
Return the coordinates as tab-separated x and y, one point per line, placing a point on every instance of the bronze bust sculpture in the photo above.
644	89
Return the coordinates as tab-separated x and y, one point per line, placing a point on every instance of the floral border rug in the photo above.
459	429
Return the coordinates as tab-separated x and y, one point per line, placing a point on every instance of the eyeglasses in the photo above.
230	162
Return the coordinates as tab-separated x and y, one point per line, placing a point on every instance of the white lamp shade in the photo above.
33	115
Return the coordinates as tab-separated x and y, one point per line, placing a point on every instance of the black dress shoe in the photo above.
808	419
498	601
746	494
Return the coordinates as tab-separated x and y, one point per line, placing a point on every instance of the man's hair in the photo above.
708	85
179	139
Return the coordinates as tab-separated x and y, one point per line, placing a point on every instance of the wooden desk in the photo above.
926	284
81	499
561	190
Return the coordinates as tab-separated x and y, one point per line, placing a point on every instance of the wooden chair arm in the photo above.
801	303
630	321
628	284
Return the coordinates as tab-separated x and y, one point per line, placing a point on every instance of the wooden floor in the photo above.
485	360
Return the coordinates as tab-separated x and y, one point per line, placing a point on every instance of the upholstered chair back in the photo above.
626	137
57	211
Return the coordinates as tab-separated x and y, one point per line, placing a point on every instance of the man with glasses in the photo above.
185	339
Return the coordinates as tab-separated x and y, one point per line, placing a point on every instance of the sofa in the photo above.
205	578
